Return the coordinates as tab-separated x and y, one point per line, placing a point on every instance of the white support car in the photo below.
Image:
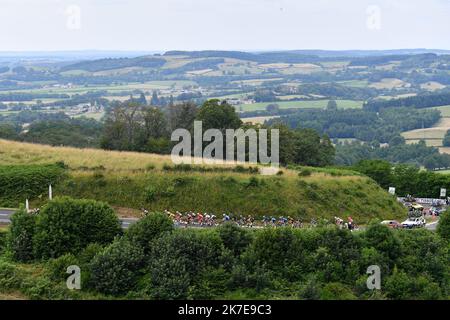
414	223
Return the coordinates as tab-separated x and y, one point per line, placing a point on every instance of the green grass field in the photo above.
315	104
445	110
136	180
151	85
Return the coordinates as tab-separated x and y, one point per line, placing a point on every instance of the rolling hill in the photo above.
135	180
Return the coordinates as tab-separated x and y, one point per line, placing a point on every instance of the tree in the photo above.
142	100
182	115
332	105
116	269
234	238
21	235
378	170
443	227
178	259
68	225
273	108
155	100
148	229
384	240
216	115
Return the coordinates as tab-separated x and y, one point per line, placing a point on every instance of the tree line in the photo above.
147	261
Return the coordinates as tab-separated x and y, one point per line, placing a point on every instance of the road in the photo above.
5	215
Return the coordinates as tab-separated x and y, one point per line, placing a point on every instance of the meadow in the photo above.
136	180
315	104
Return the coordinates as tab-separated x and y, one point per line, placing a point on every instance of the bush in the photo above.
234	238
67	225
443	228
10	276
26	181
305	173
272	248
148	228
116	269
178	259
21	235
336	291
384	240
57	268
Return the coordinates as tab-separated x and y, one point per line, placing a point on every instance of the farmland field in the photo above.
314	104
433	136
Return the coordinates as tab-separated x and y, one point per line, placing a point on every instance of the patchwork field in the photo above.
433	136
316	104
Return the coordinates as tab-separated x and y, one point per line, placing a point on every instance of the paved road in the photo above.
432	225
5	215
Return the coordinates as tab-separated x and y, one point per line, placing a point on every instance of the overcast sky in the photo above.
160	25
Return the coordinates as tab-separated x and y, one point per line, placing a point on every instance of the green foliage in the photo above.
22	231
26	181
443	228
218	115
148	229
57	268
180	257
336	291
402	286
378	170
115	270
10	276
67	225
384	240
234	238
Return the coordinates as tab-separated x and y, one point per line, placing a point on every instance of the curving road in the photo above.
5	218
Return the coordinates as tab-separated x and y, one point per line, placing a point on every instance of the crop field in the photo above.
389	83
315	104
151	85
433	136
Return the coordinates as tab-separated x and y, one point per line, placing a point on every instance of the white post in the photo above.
50	193
27	205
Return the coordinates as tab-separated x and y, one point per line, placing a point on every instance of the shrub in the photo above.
150	193
67	225
10	276
272	248
21	235
178	259
57	268
234	238
305	173
148	228
26	181
384	240
443	228
116	269
336	291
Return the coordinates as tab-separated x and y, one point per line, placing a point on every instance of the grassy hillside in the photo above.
134	180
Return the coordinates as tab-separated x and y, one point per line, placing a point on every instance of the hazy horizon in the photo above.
243	25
